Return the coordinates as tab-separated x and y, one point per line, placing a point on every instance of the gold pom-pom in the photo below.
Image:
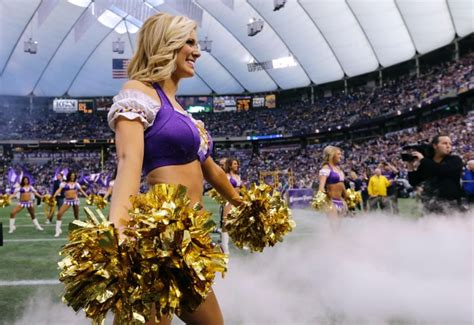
90	199
93	270
353	198
97	200
5	200
167	258
176	260
217	197
262	220
49	200
49	205
321	201
100	202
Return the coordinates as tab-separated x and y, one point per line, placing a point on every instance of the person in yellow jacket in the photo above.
378	190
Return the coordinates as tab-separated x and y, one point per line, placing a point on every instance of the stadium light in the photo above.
278	4
254	26
153	3
206	45
30	46
80	3
109	18
118	46
284	62
148	4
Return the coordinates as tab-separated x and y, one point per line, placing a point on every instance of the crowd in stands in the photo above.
348	109
56	126
361	157
46	155
301	117
43	171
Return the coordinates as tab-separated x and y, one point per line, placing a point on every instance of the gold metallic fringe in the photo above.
353	198
321	201
5	200
167	258
174	249
97	200
262	220
49	206
217	197
93	269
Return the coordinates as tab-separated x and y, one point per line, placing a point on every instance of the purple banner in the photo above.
300	197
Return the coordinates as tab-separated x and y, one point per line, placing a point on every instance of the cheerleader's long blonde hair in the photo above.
159	41
328	154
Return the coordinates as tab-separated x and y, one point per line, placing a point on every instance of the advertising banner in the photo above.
300	197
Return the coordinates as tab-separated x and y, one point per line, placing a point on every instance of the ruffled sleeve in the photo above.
325	172
133	104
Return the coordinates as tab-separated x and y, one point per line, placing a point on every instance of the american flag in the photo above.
119	68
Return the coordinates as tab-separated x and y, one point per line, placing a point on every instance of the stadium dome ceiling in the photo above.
328	40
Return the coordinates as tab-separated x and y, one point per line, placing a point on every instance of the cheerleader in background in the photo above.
221	207
232	170
331	182
110	188
70	188
103	186
27	193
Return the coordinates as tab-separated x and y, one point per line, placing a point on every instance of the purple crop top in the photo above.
29	190
332	176
171	137
234	182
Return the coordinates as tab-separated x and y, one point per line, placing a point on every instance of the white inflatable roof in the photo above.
328	39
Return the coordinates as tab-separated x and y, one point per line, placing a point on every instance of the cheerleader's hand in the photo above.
120	225
237	201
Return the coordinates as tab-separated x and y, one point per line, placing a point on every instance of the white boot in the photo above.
225	242
12	225
36	223
58	228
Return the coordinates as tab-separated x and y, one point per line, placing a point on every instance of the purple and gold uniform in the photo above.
172	137
69	187
334	177
26	189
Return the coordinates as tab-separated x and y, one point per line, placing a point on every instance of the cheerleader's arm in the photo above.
109	192
82	191
35	192
129	141
14	194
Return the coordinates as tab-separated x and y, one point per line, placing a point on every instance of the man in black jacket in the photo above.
60	198
439	176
